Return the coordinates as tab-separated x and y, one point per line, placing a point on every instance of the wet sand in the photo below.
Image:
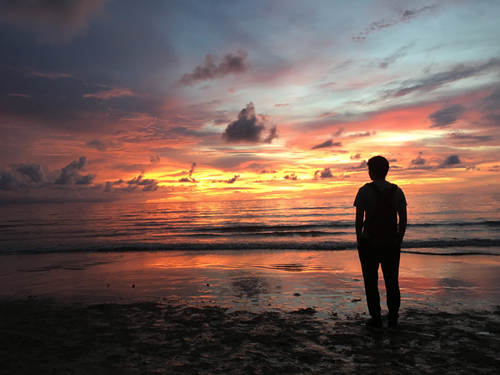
242	312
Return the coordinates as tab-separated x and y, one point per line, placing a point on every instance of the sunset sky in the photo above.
200	100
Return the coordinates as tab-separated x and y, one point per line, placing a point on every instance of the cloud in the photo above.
492	101
326	144
404	16
70	174
190	177
325	173
451	160
292	177
446	116
27	183
419	160
53	21
273	133
401	52
97	144
434	81
51	75
29	175
109	94
232	180
230	64
361	134
464	138
147	184
491	108
8	181
363	165
355	156
247	128
32	171
154	158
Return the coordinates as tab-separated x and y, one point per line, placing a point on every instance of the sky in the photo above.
206	100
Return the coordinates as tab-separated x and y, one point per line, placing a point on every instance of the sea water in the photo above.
438	224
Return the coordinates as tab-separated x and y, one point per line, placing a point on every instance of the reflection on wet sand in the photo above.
249	280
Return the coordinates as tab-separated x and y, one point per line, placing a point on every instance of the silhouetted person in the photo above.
379	236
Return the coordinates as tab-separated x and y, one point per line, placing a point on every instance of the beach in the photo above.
243	312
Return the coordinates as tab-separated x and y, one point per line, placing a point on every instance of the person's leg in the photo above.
390	269
369	266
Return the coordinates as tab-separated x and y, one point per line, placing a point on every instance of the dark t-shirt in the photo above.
367	196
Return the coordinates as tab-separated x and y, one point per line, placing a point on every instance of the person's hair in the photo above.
378	166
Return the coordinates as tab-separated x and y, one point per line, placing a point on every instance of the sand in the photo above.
146	338
241	313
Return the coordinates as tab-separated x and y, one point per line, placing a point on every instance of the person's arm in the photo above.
402	221
359	222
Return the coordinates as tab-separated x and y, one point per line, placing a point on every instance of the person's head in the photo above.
378	166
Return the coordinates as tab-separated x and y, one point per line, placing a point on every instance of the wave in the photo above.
440	247
249	228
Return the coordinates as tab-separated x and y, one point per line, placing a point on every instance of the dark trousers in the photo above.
370	256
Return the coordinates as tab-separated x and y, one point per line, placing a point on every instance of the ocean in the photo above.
443	224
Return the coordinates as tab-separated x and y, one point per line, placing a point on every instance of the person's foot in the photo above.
374	322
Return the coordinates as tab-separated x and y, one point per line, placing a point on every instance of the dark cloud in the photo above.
464	138
401	52
230	64
70	174
32	171
362	134
147	184
404	16
124	49
273	133
154	159
418	160
292	177
30	176
108	186
8	181
233	179
359	167
97	144
189	177
53	21
434	81
26	183
492	101
138	183
325	173
248	128
356	157
451	160
490	107
446	116
326	144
